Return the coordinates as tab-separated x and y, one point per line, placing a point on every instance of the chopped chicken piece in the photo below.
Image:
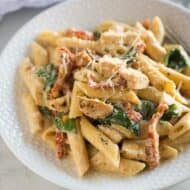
111	68
108	66
117	81
83	75
135	79
94	108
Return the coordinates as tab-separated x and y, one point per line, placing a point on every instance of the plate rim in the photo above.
8	144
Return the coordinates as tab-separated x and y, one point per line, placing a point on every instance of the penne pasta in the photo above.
126	167
79	151
178	142
51	54
124	131
108	94
167	152
60	104
134	150
32	82
163	128
73	42
111	133
100	141
181	127
150	93
35	119
153	47
137	151
157	79
178	78
187	71
38	55
48	136
157	28
48	38
74	108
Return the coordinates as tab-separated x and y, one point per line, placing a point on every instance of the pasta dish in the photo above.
116	99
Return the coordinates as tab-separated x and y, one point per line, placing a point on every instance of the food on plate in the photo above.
116	99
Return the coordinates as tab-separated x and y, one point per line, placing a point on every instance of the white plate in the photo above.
82	14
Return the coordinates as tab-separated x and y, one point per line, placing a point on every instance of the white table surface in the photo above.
13	175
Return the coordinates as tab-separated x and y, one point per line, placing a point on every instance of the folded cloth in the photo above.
7	6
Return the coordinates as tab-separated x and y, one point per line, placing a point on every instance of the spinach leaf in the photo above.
97	35
175	59
129	56
48	113
67	126
118	116
45	111
146	108
49	73
171	112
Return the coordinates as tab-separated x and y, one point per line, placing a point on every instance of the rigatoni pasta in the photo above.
116	99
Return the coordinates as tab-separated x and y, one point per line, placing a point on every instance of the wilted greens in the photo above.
175	59
118	116
67	126
146	108
45	111
171	112
49	74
